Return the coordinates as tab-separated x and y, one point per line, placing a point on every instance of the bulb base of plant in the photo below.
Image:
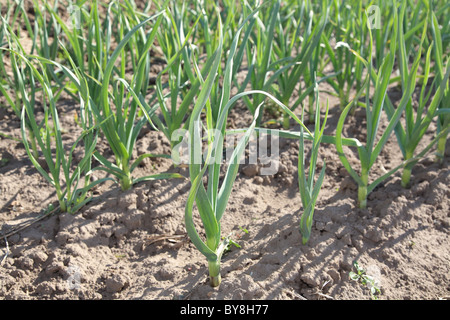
306	225
305	240
440	152
286	121
214	273
406	177
126	183
62	206
362	197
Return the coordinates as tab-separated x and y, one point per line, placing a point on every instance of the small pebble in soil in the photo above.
116	283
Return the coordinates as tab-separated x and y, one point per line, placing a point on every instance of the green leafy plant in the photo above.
417	121
211	202
272	67
71	180
22	76
369	152
366	280
259	51
305	63
16	21
309	191
122	111
173	38
347	27
439	43
120	124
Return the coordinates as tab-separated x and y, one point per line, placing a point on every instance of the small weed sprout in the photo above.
366	280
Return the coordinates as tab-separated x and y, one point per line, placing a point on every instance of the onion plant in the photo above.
176	39
211	203
12	88
277	58
369	152
304	62
309	190
416	122
86	44
259	51
212	200
120	122
381	30
173	39
91	40
71	180
439	42
16	21
46	38
347	28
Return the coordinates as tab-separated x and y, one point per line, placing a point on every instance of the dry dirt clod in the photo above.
250	170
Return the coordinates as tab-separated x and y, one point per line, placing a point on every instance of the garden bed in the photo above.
133	244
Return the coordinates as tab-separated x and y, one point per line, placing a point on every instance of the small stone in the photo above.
116	283
288	181
45	288
54	267
39	257
250	170
120	232
282	168
375	234
258	180
340	232
309	279
249	200
329	226
26	263
320	225
335	275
